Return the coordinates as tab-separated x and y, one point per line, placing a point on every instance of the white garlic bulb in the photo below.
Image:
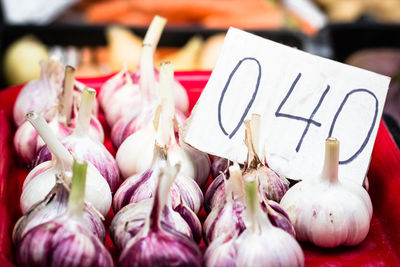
329	211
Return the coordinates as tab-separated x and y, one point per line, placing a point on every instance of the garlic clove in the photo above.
329	211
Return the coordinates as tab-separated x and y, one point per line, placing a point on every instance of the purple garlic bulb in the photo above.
41	179
128	222
27	141
83	146
65	240
53	206
141	186
156	244
62	242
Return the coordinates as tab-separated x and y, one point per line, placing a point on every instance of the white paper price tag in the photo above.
302	99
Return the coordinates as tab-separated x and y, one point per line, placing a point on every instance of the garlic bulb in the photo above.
228	216
141	186
274	185
27	142
83	146
156	244
53	206
130	219
139	111
329	211
42	94
195	164
123	98
41	179
260	244
65	240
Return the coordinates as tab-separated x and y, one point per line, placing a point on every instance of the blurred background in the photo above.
98	37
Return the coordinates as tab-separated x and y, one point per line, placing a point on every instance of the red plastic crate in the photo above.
381	248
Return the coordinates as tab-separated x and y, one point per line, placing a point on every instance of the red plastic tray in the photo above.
381	248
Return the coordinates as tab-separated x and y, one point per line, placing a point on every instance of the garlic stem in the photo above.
147	79
85	111
252	158
167	88
77	194
61	154
165	180
154	32
255	131
253	210
331	164
67	95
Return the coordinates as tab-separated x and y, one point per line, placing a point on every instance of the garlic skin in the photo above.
42	94
157	245
143	185
41	179
52	206
329	211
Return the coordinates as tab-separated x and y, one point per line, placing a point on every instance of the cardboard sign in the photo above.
302	100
